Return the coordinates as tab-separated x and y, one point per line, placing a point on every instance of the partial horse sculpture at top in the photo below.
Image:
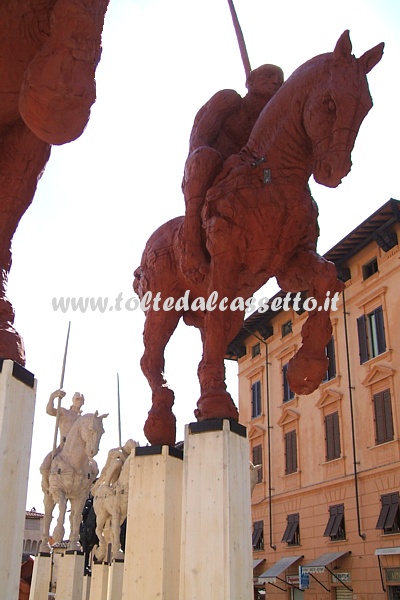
72	472
49	51
260	221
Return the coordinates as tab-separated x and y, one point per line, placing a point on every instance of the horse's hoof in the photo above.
75	547
216	405
45	547
11	344
304	374
58	534
160	426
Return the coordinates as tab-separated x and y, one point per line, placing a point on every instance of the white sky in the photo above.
102	196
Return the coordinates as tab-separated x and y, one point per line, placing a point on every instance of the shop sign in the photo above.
304	579
293	579
393	575
345	577
313	569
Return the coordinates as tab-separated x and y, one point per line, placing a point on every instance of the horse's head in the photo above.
92	433
335	108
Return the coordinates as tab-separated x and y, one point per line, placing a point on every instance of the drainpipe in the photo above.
351	388
271	545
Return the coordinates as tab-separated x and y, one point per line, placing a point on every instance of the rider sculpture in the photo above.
66	418
260	221
221	128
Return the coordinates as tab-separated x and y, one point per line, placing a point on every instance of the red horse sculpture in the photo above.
260	221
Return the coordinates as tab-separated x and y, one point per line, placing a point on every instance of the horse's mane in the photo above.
281	104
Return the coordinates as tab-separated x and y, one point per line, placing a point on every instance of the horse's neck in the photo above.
74	447
279	135
124	475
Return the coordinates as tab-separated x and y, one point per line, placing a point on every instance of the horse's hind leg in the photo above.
160	426
101	550
49	505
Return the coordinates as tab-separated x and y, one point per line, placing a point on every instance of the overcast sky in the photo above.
102	196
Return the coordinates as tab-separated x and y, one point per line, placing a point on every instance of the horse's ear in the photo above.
104	416
96	414
343	47
372	57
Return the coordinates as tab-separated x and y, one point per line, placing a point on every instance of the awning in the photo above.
257	562
284	563
323	560
318	565
385	551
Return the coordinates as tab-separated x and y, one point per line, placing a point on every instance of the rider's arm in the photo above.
210	118
50	405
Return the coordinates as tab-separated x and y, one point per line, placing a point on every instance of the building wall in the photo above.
319	484
33	532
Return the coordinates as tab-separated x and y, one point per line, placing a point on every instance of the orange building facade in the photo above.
326	522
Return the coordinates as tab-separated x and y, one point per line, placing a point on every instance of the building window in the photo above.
256	399
389	519
330	353
258	535
290	452
383	417
292	531
255	350
332	436
371	334
335	528
370	268
258	460
286	328
287	392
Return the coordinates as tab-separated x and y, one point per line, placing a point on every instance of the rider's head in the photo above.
265	81
128	447
78	400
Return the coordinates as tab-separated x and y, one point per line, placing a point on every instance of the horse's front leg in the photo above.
101	517
220	327
311	272
160	426
116	530
59	531
75	518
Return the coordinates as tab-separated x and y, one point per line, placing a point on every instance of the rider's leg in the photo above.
202	167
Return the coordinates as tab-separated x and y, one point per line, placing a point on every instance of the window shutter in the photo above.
329	437
362	339
291	452
336	435
332	434
387	409
380	330
331	521
385	501
258	460
379	419
393	510
338	519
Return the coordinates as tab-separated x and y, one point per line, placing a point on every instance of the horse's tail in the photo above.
138	281
161	250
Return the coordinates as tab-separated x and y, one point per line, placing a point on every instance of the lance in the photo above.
61	386
119	413
240	39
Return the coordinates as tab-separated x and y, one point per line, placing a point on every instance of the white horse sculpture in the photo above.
111	507
72	473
